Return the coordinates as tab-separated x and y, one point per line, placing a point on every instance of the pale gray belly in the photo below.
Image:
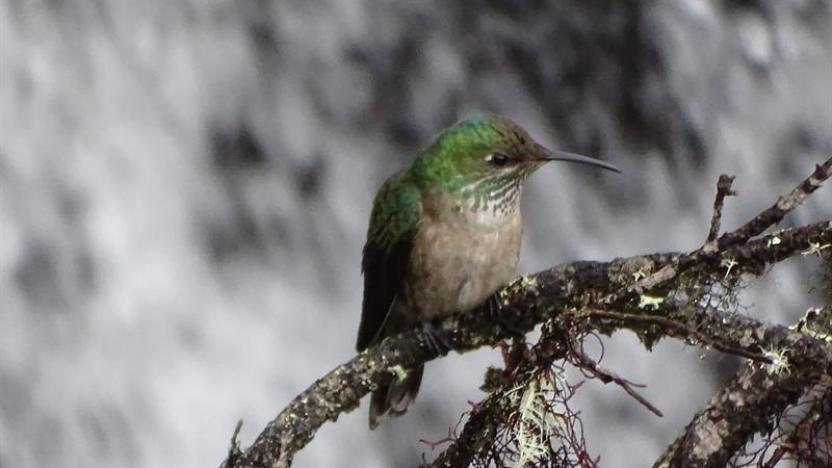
454	269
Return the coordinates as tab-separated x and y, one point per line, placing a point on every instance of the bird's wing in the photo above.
396	212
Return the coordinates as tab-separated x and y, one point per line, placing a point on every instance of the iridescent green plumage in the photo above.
444	234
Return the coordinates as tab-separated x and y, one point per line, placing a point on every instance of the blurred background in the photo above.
185	187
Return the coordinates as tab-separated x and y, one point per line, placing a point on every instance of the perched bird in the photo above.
445	234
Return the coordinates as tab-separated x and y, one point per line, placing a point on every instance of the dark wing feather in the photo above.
393	223
383	275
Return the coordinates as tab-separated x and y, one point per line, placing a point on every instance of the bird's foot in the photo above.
434	341
494	305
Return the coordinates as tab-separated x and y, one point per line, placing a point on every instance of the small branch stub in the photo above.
723	189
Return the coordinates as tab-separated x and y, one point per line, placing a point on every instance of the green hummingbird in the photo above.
445	234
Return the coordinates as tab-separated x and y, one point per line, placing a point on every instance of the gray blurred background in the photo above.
185	186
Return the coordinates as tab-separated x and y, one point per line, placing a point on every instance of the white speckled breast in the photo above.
460	256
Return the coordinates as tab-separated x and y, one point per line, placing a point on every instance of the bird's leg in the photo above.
433	340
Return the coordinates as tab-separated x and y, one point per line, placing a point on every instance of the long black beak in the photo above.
550	155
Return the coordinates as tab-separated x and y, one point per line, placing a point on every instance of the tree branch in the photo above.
756	394
690	323
532	300
768	218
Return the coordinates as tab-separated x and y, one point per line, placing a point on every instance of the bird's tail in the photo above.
396	398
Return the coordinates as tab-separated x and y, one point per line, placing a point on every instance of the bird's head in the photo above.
492	148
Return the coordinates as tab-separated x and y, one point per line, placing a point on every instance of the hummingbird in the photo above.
445	234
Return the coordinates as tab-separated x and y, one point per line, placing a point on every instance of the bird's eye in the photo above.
498	159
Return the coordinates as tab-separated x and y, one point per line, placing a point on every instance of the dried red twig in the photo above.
436	443
585	363
801	444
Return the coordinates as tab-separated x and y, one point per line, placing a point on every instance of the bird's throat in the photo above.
488	204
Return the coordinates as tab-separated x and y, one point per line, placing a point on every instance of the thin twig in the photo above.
676	329
774	214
